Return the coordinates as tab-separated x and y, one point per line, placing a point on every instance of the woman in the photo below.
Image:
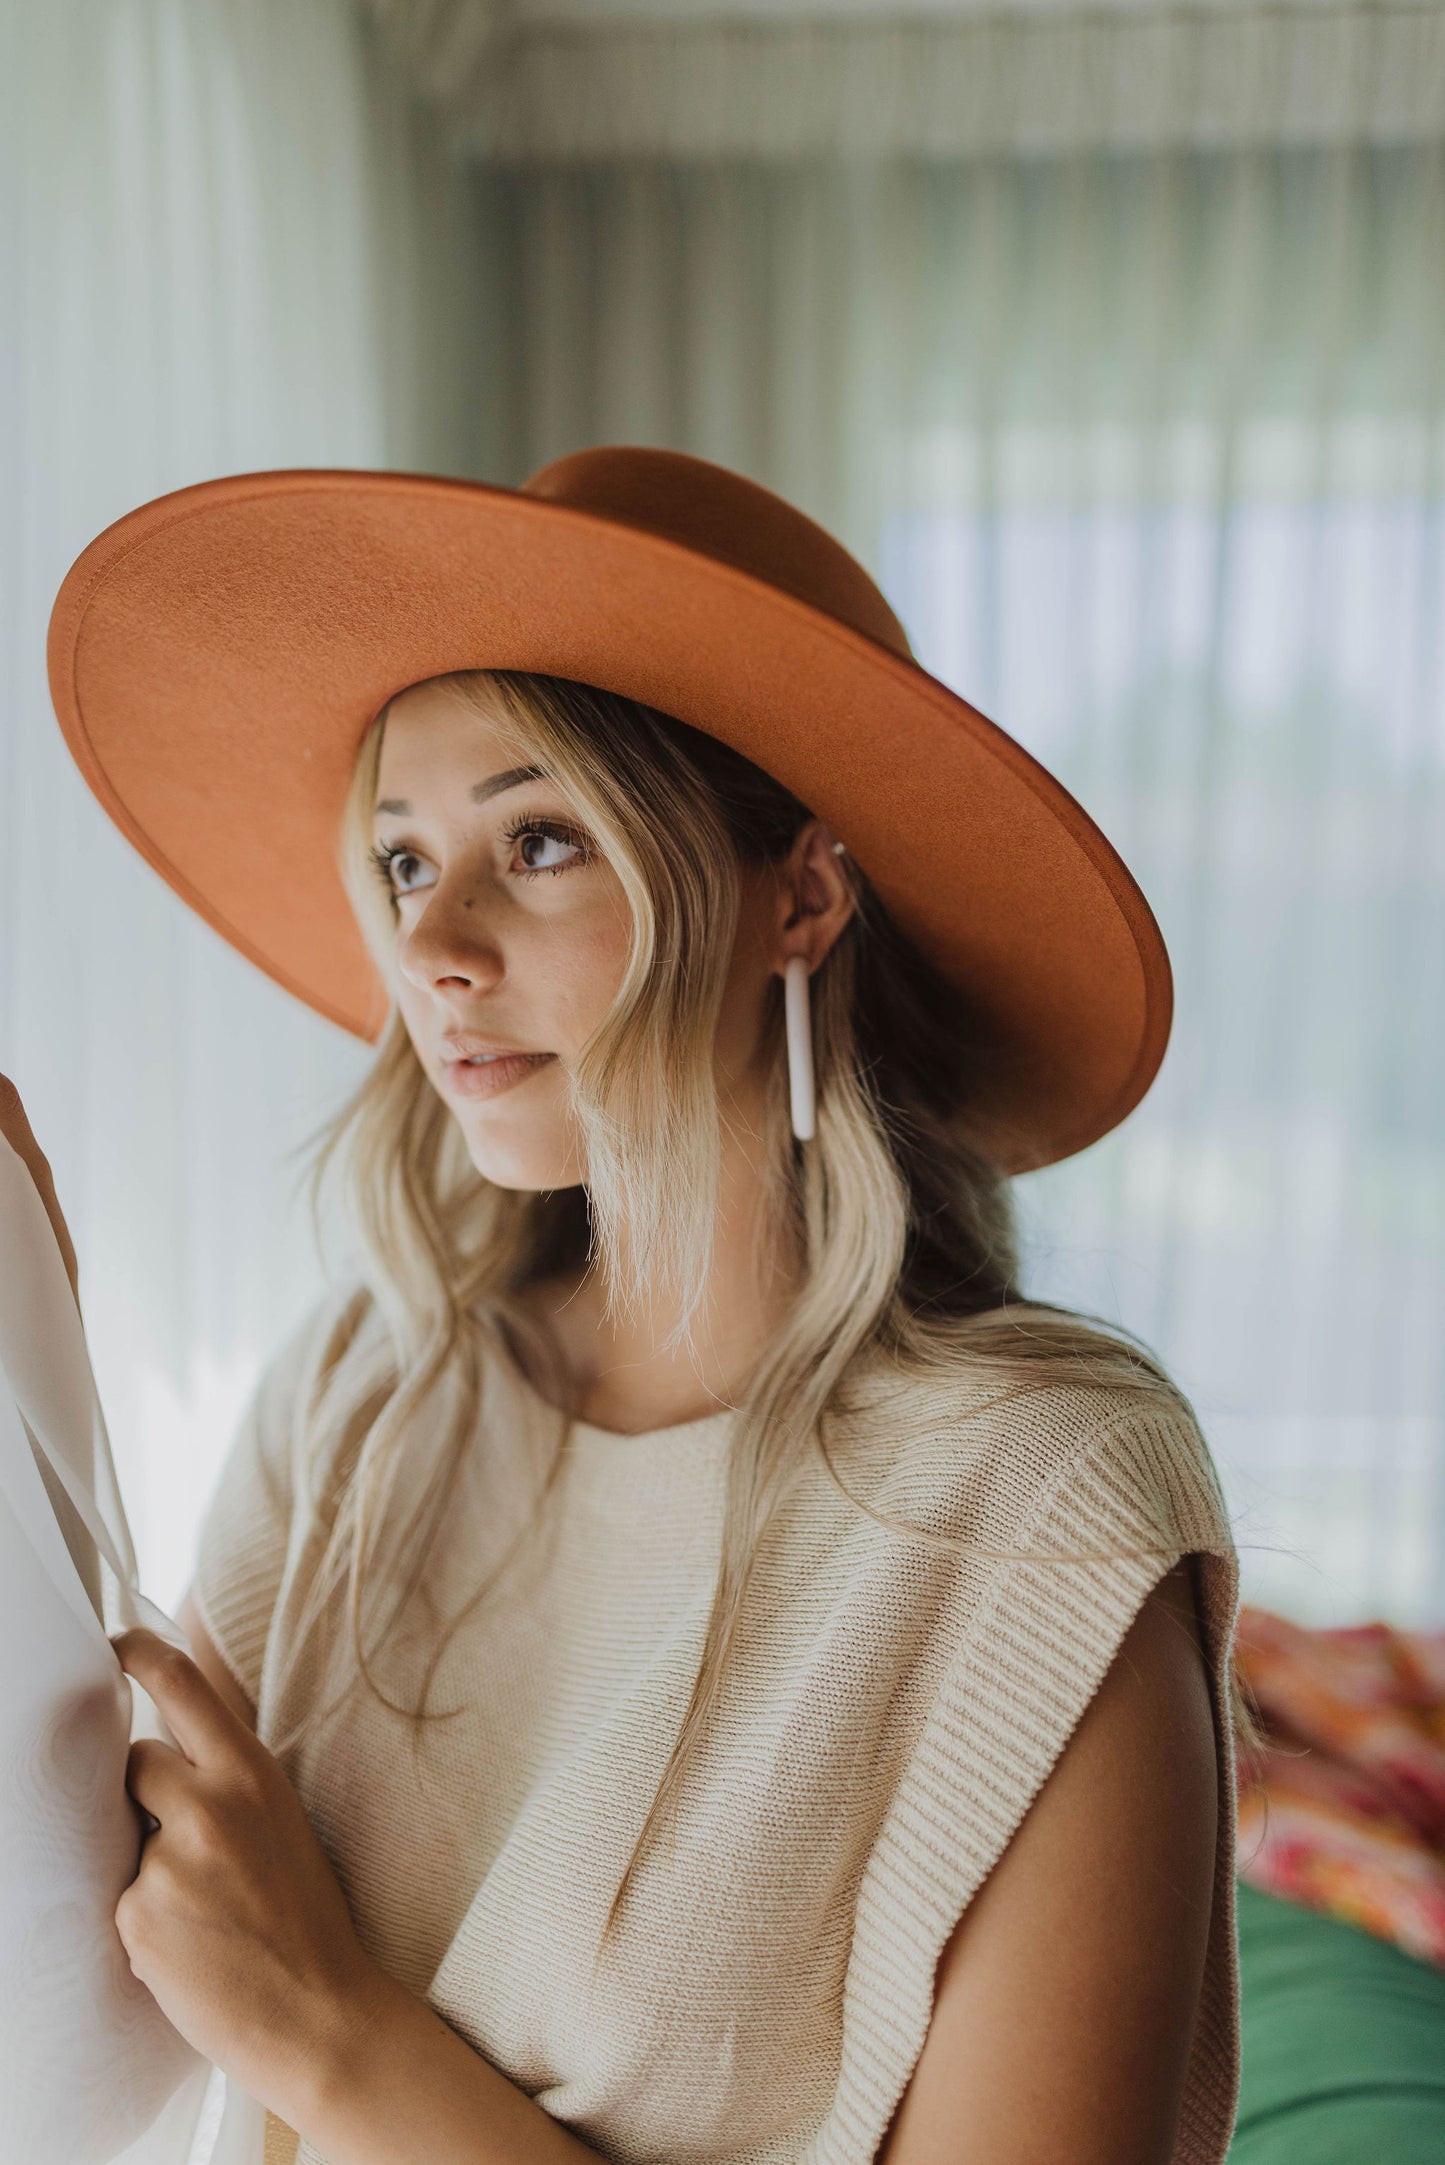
689	1661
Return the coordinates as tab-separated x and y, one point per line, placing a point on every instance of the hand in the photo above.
15	1128
235	1920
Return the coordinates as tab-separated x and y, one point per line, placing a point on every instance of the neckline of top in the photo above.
700	1425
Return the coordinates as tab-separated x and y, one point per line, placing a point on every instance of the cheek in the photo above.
413	1005
574	967
561	972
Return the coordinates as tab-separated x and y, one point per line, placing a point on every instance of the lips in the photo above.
492	1076
462	1044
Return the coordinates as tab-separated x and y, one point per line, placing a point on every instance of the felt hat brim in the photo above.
216	656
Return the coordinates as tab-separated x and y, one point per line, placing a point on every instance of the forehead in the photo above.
437	713
432	731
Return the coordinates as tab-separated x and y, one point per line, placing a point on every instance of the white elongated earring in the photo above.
800	1047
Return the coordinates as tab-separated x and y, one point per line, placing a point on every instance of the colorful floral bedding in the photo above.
1348	1816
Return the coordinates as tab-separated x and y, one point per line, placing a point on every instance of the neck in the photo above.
626	1376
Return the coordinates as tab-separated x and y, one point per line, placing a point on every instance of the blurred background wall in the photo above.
1112	341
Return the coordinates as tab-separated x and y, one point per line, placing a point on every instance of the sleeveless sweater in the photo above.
891	1711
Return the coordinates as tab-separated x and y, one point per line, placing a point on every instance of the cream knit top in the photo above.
892	1711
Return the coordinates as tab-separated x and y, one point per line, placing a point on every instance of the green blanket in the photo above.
1343	2059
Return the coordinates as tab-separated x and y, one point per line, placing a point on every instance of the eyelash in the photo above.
383	855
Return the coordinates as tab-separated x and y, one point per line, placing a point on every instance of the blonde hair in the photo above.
904	1226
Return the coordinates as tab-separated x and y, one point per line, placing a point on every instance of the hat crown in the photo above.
725	516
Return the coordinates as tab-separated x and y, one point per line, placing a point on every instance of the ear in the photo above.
814	898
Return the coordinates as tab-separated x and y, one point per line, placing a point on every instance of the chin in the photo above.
510	1162
521	1181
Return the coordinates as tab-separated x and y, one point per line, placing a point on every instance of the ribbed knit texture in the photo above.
891	1713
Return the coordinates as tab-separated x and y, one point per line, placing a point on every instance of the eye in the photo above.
383	856
538	837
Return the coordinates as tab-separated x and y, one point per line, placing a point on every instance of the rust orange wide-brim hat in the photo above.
217	655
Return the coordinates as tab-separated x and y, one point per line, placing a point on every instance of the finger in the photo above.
195	1713
15	1127
13	1121
159	1777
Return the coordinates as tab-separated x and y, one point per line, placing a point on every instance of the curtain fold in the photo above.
230	243
1146	451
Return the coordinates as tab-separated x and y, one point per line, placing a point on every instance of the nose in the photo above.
450	945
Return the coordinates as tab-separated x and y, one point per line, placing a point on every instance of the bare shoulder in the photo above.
210	1664
1066	1997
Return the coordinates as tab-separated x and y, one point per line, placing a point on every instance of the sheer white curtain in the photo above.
1136	412
229	244
1147	451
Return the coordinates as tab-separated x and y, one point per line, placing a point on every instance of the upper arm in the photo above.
210	1664
1065	1999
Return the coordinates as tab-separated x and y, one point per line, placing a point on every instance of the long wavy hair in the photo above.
903	1225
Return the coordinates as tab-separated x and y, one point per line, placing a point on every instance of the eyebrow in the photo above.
510	778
